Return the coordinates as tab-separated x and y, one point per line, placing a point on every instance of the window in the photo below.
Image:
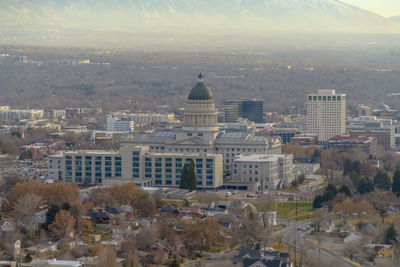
200	134
189	134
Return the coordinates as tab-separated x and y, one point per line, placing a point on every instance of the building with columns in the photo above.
200	133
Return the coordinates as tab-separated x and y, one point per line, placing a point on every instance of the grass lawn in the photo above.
391	219
96	230
287	210
289	189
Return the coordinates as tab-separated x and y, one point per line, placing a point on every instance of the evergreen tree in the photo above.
396	183
345	190
347	166
354	177
184	177
192	180
390	235
316	156
51	215
356	166
365	186
317	203
382	180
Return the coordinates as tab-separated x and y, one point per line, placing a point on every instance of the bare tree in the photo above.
107	258
63	224
26	207
382	201
266	205
351	249
302	248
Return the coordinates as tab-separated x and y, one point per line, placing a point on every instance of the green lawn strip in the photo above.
287	210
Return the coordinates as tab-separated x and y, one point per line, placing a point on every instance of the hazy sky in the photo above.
385	8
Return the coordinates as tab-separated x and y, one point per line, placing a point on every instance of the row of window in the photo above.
324	98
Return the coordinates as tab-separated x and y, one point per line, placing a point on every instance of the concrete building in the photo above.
120	124
285	134
348	143
383	130
21	114
136	164
55	114
263	171
200	133
145	118
326	114
85	167
164	169
363	110
253	110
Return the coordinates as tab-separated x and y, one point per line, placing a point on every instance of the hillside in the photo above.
183	15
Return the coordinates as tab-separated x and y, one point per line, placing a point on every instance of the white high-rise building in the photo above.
326	114
118	124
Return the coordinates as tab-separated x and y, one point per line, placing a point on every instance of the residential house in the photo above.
7	226
173	208
40	217
381	250
193	211
257	258
216	211
42	247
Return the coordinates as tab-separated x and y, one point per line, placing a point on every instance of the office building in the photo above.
363	110
382	130
164	169
348	143
120	124
253	110
55	114
326	114
21	114
85	167
136	164
263	171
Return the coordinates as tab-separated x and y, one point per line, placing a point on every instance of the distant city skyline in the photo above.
386	8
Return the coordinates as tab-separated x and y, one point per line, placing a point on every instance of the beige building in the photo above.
263	171
85	167
326	114
164	169
21	114
134	163
200	133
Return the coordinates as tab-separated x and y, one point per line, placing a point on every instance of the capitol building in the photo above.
200	133
157	158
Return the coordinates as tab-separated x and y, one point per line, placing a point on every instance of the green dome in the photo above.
200	91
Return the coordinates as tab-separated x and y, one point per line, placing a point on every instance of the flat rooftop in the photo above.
260	157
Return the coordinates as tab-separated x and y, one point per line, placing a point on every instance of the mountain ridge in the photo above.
136	14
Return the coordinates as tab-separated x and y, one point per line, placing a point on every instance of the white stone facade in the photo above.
264	171
326	114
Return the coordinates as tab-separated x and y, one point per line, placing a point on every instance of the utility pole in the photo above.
295	236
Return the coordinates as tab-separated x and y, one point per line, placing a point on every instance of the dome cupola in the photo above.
200	91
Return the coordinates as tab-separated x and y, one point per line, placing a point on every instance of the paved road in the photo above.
311	249
220	259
